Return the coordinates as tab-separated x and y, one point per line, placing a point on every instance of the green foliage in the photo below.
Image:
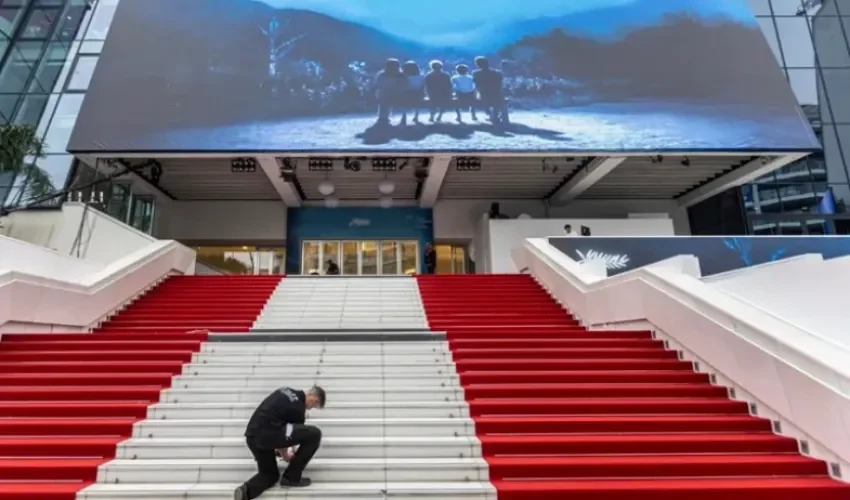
20	149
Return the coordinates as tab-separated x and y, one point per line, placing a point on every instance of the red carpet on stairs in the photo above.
67	400
566	413
184	303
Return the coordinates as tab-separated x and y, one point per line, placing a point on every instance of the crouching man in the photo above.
277	429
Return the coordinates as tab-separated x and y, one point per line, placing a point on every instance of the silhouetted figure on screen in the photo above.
489	83
438	85
430	259
414	91
276	427
390	82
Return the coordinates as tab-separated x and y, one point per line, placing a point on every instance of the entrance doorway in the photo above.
451	259
361	257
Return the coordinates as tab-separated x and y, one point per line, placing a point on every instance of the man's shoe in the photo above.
302	483
241	493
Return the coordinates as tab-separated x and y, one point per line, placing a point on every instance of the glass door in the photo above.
311	259
330	253
451	259
350	258
390	261
409	257
361	258
368	258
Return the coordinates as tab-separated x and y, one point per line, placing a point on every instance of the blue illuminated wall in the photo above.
355	223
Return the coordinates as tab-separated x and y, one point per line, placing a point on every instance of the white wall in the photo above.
77	231
459	219
506	235
24	257
239	222
806	291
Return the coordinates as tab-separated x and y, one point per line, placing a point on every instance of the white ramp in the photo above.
330	303
396	425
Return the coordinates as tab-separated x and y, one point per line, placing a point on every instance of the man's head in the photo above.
315	397
568	229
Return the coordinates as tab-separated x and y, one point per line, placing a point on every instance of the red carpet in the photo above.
566	413
67	400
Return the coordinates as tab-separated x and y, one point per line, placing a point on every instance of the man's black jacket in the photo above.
283	406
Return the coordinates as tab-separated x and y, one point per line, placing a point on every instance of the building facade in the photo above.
49	49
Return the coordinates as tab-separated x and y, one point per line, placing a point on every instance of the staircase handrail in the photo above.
795	378
30	298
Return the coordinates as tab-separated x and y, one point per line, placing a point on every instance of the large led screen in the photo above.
438	75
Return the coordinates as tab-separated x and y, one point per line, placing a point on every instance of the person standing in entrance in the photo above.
277	428
430	259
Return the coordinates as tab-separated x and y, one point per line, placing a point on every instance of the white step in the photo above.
325	470
332	447
319	491
388	409
292	370
210	395
313	325
327	359
331	427
329	383
388	348
342	303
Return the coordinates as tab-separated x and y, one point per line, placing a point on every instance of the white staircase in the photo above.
330	303
396	425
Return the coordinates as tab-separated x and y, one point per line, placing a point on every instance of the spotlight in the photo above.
352	165
320	164
243	165
156	173
287	170
468	164
384	164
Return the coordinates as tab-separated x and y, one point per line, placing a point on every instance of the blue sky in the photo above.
448	21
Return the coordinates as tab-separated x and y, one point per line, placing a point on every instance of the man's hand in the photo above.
286	454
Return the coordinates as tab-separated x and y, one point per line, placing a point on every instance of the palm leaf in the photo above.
20	149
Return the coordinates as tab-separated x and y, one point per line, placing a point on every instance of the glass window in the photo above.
409	257
19	66
310	258
102	18
369	258
62	123
141	215
786	7
31	108
796	42
835	168
91	47
57	167
760	7
804	82
40	23
118	201
71	20
389	258
837	84
829	42
330	251
51	65
349	258
10	17
769	31
81	74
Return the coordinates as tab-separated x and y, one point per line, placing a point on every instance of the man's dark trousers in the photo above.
263	446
